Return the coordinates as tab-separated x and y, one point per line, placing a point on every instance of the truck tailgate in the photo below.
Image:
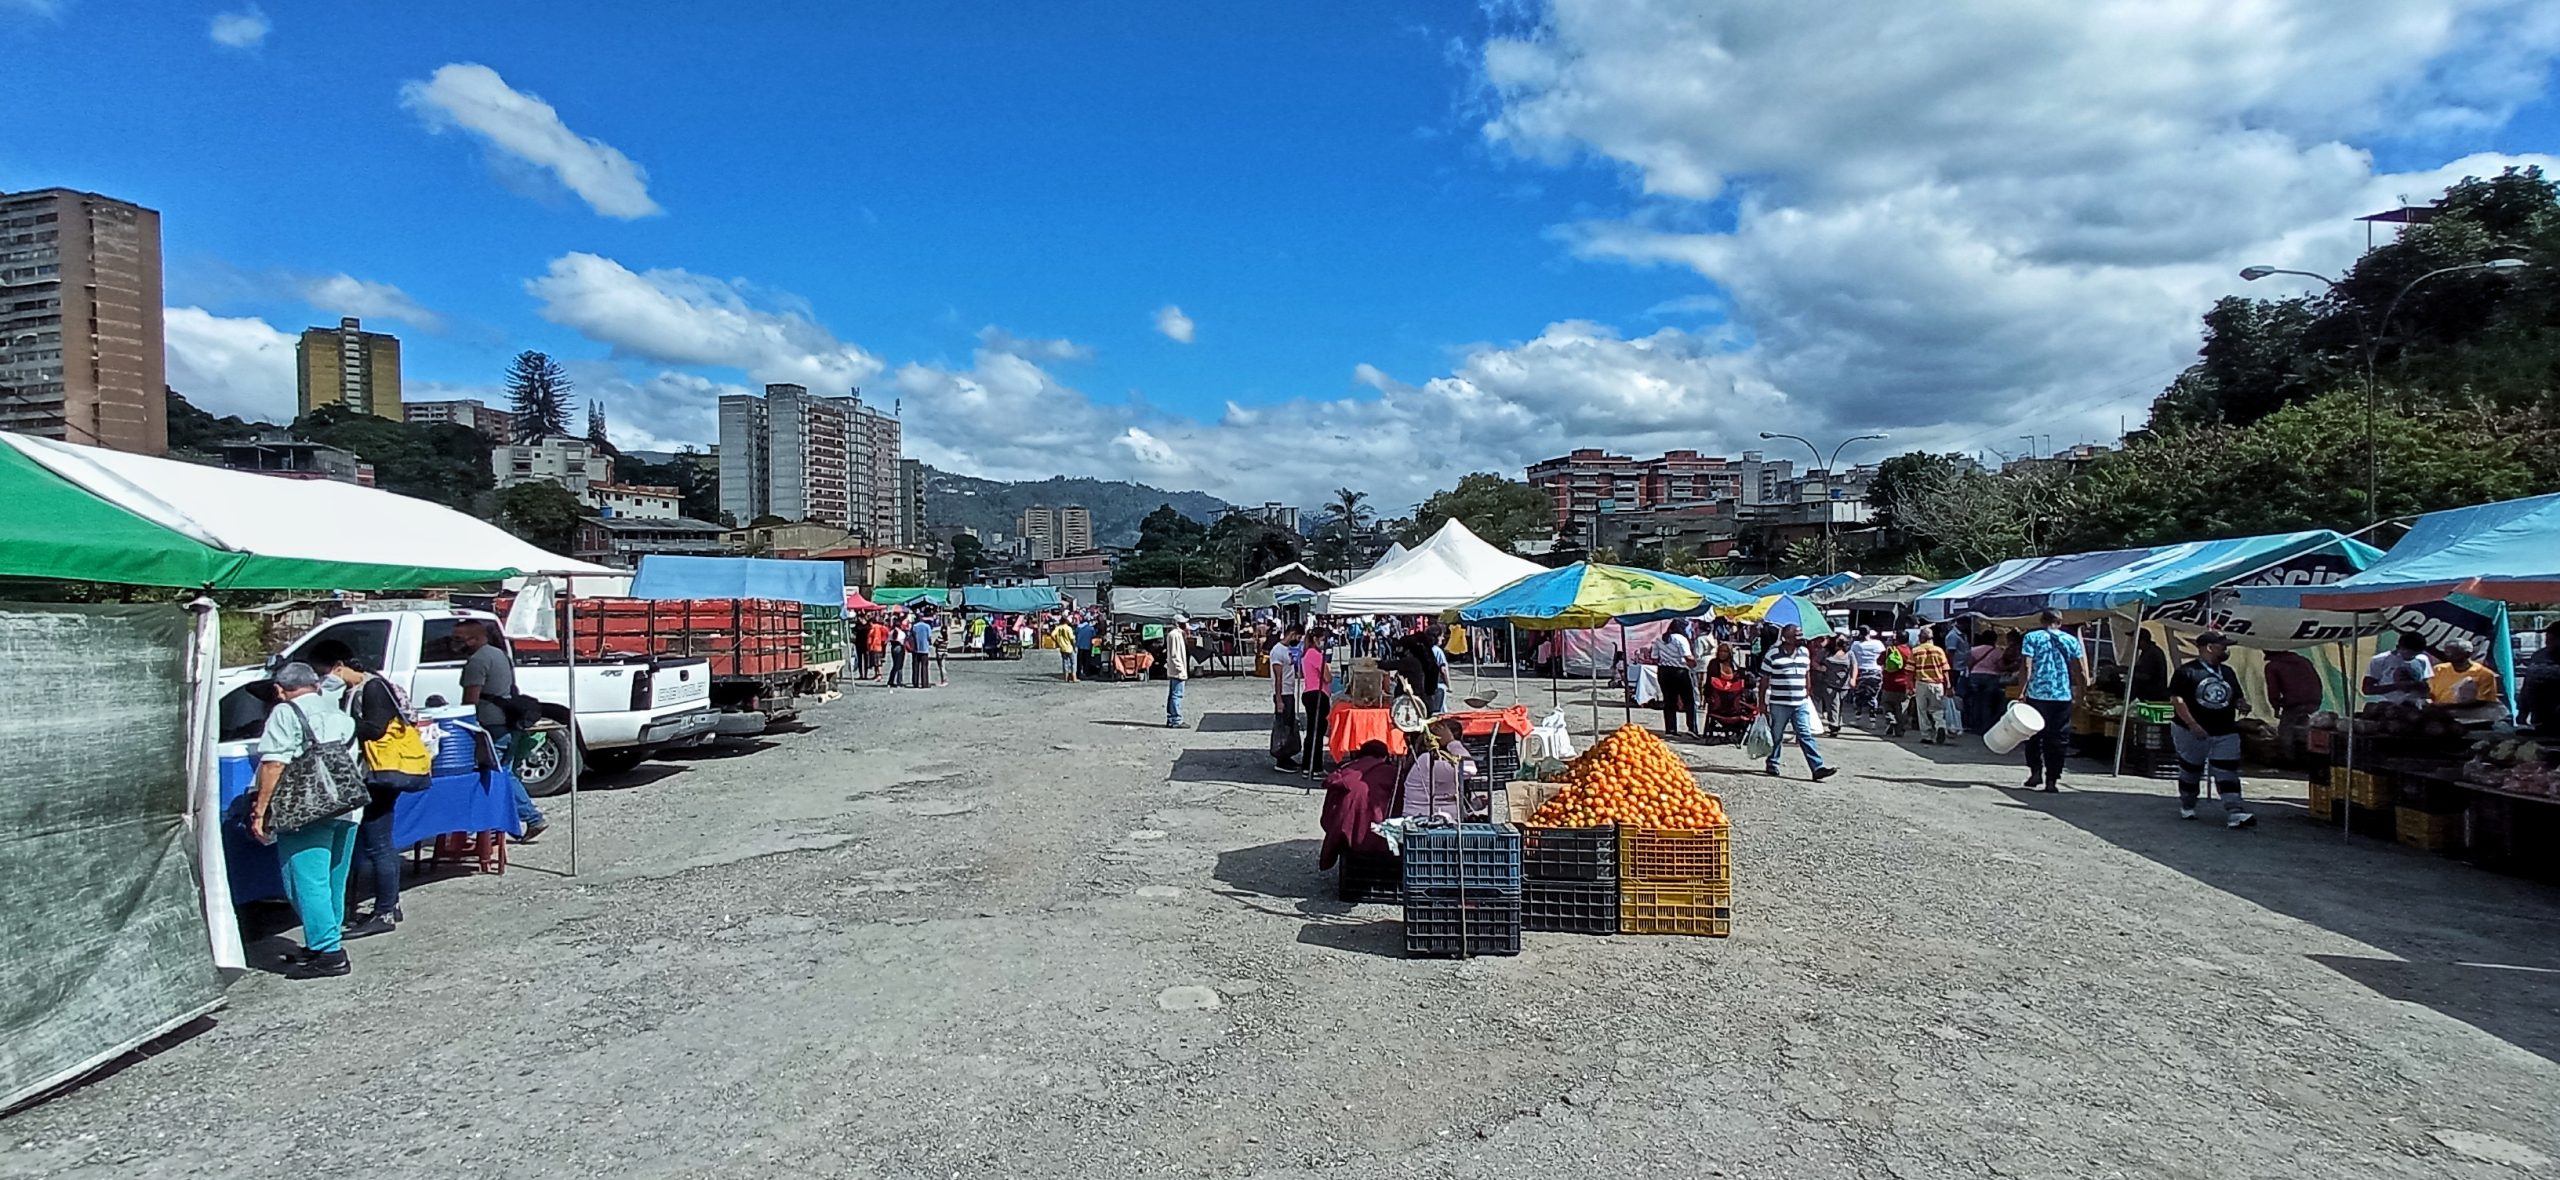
679	683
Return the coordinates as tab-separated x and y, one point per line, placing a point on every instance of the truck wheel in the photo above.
613	761
545	770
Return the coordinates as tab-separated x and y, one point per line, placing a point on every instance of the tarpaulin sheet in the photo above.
1163	602
818	583
104	942
1009	600
2509	551
2123	580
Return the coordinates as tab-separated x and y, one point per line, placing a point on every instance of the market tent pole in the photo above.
569	644
1512	648
1630	698
2345	788
2124	719
204	785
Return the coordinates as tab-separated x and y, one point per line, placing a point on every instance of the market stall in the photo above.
1009	600
79	514
1290	585
1451	569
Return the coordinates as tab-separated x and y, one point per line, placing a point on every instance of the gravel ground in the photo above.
1013	927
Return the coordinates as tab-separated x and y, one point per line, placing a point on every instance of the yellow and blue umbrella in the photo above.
1584	595
1781	610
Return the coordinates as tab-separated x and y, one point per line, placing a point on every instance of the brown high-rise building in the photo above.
82	357
1075	530
348	366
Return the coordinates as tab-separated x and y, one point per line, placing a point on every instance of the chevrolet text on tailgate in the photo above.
627	709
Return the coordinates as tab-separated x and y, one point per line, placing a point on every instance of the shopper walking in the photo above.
2205	694
315	854
1834	678
1286	684
898	644
1867	652
1063	637
920	650
1929	673
2055	676
1675	663
1984	667
1786	696
1315	697
1177	668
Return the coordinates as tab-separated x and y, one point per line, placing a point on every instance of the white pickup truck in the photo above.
626	710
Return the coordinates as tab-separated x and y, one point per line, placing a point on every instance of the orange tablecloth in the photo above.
1352	726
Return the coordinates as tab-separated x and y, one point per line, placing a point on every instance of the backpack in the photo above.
1892	660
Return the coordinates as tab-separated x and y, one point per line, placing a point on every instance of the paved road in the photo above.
1013	928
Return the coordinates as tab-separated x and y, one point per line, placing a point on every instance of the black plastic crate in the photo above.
1367	876
2152	764
1569	854
1569	907
1442	923
1475	856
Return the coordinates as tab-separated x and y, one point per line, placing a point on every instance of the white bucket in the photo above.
2016	725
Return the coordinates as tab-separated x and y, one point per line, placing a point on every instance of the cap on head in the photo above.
2212	639
296	675
1180	618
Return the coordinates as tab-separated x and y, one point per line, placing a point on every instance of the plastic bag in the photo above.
1549	740
1761	739
1951	716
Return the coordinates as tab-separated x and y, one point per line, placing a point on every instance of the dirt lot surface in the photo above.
1013	927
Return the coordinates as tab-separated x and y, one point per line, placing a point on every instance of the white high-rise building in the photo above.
785	454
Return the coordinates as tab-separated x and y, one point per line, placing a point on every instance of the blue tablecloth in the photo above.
460	799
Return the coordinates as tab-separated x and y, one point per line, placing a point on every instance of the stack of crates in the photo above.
1570	880
1462	891
1673	881
2148	751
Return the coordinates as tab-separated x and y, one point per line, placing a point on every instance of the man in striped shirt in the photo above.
1786	697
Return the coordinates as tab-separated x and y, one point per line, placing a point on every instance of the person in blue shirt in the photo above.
1084	646
920	650
2055	674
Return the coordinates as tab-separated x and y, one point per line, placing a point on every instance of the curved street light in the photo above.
1830	471
2373	348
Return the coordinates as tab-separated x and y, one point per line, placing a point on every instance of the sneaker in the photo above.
1824	772
535	832
327	965
377	924
1771	771
2034	781
2052	788
2186	811
2239	819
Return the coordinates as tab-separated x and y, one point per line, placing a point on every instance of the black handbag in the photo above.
321	782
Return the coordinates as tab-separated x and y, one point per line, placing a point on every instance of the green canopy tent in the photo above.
74	513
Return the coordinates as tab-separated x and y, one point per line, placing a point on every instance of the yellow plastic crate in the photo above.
2427	832
2324	800
2362	788
1696	910
1677	856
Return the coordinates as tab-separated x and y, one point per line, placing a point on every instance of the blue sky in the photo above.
1411	242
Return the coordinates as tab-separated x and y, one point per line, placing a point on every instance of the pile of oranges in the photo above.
1630	777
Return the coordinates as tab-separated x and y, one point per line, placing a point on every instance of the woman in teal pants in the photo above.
313	858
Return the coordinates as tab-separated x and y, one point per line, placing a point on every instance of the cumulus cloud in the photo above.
525	128
245	29
1978	212
51	9
230	365
679	318
1175	325
347	295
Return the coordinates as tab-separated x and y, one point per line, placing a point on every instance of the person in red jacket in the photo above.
1895	701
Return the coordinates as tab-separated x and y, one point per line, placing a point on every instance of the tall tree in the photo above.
538	388
595	426
1502	511
968	556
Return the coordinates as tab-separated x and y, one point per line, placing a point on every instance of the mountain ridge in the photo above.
954	502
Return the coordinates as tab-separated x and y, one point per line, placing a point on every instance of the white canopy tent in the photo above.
1451	569
1161	603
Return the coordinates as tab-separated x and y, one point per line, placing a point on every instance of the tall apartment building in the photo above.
784	454
874	446
347	366
82	357
1075	530
911	506
1764	481
496	425
1039	528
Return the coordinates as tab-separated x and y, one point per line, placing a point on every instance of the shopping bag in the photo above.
1761	739
1951	715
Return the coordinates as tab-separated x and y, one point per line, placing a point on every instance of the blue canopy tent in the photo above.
818	583
1009	600
1805	584
2509	551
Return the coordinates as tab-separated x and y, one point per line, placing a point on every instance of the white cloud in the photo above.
230	365
50	9
1175	325
680	318
245	29
1973	212
526	128
347	295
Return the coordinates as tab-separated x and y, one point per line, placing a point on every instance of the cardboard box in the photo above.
1525	798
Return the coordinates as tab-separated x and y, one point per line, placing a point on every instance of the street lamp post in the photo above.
2372	349
1830	471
